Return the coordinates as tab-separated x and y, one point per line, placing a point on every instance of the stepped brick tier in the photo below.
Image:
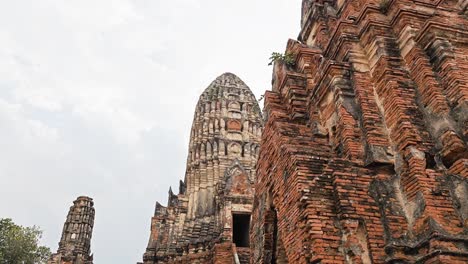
364	156
74	246
208	220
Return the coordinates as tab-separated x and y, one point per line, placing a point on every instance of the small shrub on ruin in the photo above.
287	58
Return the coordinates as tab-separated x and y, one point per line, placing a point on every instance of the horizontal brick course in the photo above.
364	155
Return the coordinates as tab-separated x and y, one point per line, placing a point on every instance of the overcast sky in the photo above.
97	99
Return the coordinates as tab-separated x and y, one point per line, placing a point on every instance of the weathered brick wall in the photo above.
364	156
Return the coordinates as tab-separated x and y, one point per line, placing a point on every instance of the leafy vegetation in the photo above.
288	58
20	245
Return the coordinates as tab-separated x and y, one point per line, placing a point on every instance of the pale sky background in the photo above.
97	99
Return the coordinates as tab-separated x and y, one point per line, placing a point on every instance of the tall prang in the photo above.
208	220
75	243
364	149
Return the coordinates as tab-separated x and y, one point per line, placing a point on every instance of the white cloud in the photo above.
97	98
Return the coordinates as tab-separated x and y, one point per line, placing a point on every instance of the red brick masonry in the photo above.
364	155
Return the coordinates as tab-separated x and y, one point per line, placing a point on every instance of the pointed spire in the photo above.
182	187
172	200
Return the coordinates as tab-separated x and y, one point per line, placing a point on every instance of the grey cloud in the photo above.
97	98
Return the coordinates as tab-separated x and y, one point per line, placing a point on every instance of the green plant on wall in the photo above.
288	58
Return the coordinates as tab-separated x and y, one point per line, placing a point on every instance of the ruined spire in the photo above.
74	246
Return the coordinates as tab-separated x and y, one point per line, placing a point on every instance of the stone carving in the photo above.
197	224
74	246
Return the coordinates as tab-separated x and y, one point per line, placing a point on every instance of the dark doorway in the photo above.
240	229
278	252
275	237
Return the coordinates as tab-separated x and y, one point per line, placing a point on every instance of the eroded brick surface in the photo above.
363	156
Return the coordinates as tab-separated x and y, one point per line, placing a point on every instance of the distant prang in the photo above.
208	220
75	244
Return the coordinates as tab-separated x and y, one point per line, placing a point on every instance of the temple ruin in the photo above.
363	156
364	150
208	220
74	246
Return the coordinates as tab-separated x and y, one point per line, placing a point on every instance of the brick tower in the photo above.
74	246
364	155
208	220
